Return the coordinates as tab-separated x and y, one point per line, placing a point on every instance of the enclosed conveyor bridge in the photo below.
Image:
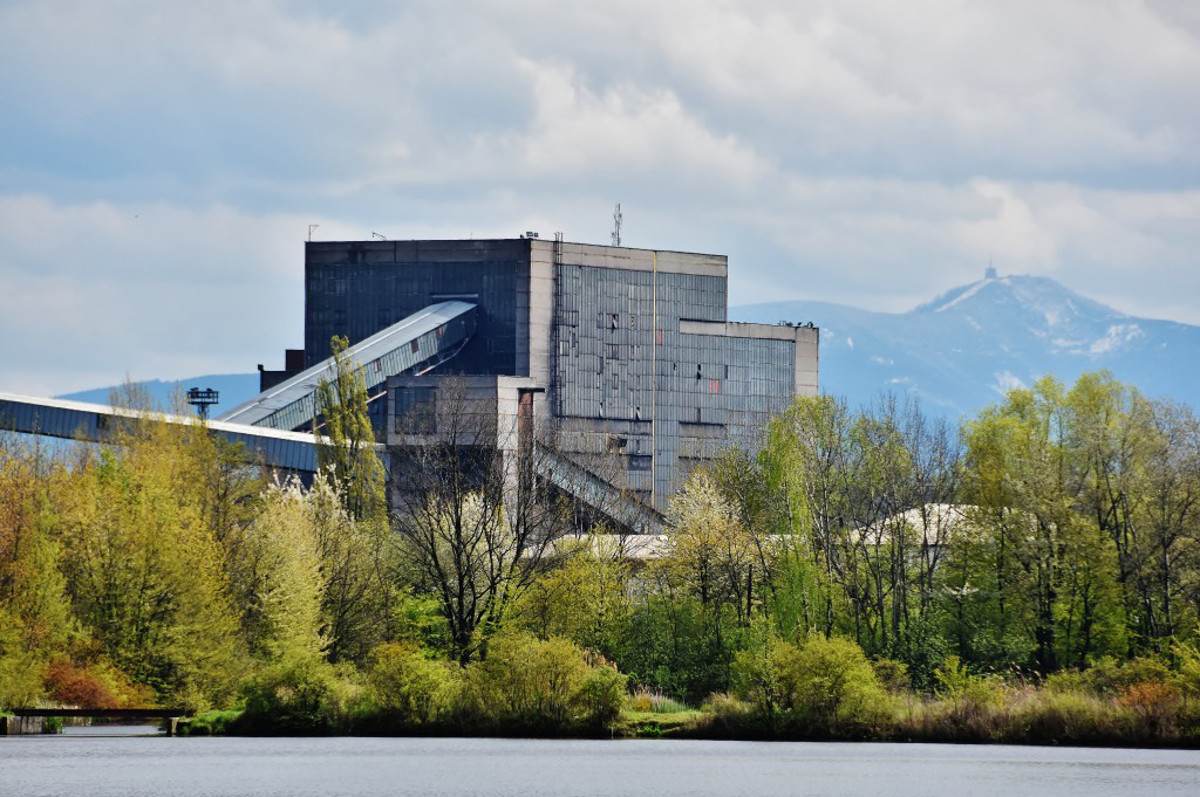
419	343
99	423
267	425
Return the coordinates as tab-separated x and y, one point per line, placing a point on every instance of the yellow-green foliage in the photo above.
145	569
278	580
966	690
215	722
302	696
585	599
710	553
1107	676
356	593
410	687
35	615
20	670
729	713
1059	717
1189	682
966	707
826	687
348	459
530	684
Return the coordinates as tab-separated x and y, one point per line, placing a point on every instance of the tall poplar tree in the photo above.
347	454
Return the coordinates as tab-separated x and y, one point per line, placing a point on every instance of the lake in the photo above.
90	763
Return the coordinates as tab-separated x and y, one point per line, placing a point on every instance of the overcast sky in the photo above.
160	162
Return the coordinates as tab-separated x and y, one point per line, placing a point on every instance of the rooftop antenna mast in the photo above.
617	219
312	227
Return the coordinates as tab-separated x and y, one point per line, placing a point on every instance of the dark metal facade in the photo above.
356	288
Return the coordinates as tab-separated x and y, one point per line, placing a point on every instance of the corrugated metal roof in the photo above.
424	335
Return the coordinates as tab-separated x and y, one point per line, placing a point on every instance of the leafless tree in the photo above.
479	496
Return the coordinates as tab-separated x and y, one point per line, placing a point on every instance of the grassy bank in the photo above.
821	689
1025	716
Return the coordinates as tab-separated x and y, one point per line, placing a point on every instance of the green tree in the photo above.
32	586
358	597
585	599
144	572
347	451
277	580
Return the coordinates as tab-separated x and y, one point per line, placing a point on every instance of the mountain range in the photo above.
966	348
957	353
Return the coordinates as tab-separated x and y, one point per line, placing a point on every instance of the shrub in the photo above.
210	723
827	688
971	706
1061	716
302	697
414	689
542	686
757	679
967	691
1107	676
672	645
1154	706
893	675
75	686
731	716
1068	681
601	696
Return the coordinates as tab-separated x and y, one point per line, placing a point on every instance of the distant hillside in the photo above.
957	353
233	389
962	350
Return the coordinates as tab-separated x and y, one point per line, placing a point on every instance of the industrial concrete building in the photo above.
627	352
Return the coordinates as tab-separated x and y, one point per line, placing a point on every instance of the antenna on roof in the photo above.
312	227
617	219
377	235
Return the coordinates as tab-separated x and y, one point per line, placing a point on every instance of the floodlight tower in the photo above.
202	399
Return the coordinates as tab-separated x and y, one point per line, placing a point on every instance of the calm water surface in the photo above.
100	763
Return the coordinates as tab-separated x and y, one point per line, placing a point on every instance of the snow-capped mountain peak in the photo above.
964	348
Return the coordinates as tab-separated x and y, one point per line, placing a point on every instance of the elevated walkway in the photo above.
421	342
593	491
267	424
98	423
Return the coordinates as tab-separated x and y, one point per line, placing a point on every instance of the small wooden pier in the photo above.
169	716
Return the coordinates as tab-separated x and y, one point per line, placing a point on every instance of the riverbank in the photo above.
825	689
1053	724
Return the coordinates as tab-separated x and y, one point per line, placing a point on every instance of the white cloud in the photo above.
95	291
854	152
1006	381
